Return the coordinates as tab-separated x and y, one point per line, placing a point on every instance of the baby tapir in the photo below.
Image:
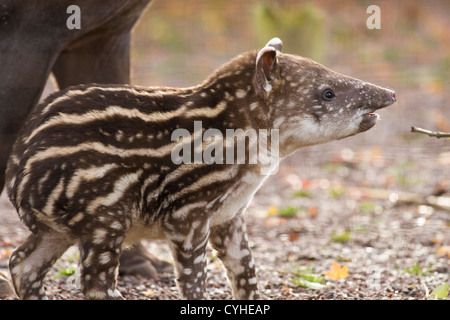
93	165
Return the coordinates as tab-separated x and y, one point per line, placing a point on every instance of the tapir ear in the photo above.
275	43
267	65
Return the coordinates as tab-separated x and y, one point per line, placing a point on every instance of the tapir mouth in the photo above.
370	118
368	121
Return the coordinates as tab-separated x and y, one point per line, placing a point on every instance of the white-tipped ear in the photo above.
275	43
266	67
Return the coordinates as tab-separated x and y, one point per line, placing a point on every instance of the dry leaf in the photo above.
437	239
444	251
148	293
312	211
5	253
7	243
286	289
293	237
273	210
337	272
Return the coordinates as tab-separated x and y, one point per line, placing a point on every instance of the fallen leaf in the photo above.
5	253
306	183
337	272
288	211
437	239
286	289
273	210
7	243
148	293
293	237
441	292
444	251
312	211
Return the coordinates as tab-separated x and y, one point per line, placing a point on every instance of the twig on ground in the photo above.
437	202
437	134
427	292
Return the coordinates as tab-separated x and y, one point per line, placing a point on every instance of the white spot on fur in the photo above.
187	271
104	258
99	235
240	93
253	105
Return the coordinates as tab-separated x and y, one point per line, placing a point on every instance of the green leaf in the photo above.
304	276
367	206
66	272
441	292
337	192
307	284
288	212
302	193
341	236
417	270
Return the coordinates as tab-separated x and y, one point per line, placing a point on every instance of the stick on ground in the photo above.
437	202
437	134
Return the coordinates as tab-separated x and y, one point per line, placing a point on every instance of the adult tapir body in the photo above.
35	40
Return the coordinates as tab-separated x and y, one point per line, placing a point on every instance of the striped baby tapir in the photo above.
93	166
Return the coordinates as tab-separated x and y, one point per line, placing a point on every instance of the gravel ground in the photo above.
392	250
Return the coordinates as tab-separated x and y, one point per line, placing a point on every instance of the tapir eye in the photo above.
328	94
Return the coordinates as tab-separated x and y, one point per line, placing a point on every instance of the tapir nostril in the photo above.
394	98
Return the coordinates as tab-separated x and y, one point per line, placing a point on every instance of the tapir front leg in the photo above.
231	242
25	65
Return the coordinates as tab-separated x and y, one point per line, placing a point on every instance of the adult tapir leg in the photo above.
32	36
30	41
102	53
103	60
25	65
